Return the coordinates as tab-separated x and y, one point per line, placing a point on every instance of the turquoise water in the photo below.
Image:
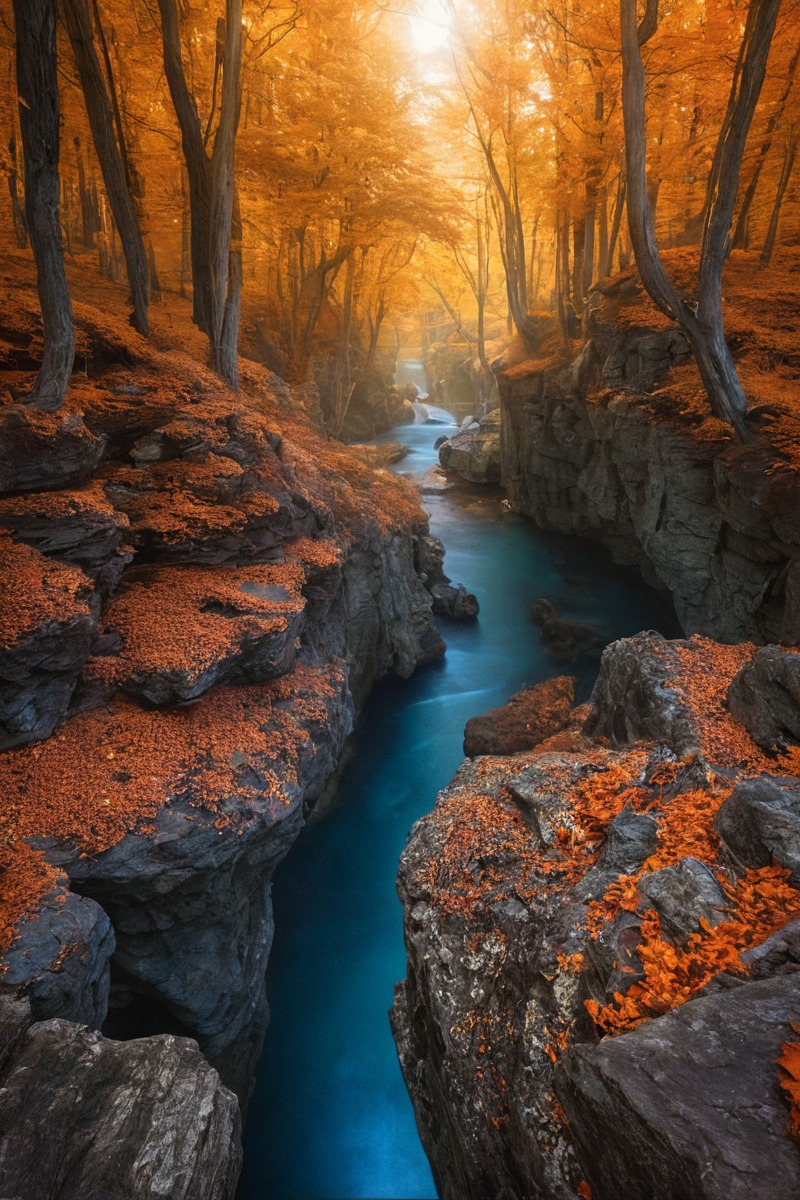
330	1117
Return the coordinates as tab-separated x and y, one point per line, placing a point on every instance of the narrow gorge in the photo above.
399	600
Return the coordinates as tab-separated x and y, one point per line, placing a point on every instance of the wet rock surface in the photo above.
89	1131
578	935
532	715
474	451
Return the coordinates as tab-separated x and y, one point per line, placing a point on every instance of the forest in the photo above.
303	304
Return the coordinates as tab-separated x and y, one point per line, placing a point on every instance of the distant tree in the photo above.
37	85
703	323
216	262
100	103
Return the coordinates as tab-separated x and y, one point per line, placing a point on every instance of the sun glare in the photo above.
430	26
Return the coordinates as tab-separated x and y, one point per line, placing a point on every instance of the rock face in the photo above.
449	599
765	697
189	626
88	1130
532	715
688	1106
47	630
474	452
585	451
574	925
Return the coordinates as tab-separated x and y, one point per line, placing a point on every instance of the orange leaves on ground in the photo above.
36	591
25	879
685	829
789	1062
706	671
116	768
762	901
186	618
485	844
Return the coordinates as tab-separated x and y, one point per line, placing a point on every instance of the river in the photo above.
330	1117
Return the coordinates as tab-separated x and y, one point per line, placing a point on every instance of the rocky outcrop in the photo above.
473	452
534	714
587	450
48	625
688	1105
765	697
193	627
88	1130
581	941
449	599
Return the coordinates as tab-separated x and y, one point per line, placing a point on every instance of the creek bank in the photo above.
617	445
196	610
633	876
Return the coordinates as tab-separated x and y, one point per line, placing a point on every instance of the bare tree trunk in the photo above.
20	228
225	284
789	157
37	86
740	232
197	166
704	328
101	121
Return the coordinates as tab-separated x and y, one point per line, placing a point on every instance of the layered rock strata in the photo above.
197	600
602	949
612	446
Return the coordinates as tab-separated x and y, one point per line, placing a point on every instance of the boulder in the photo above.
634	697
40	451
760	824
474	452
630	841
61	959
542	611
683	894
449	600
765	697
527	719
116	1120
47	628
687	1107
565	639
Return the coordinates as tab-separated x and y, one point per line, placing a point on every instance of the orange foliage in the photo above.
171	619
789	1062
37	591
761	902
25	879
107	773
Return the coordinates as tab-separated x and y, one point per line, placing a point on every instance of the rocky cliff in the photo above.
617	445
200	588
602	939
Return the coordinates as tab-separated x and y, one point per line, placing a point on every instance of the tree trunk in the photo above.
225	285
197	166
704	328
739	239
789	157
37	86
101	122
20	228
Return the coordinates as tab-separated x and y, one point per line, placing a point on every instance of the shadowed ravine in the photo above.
330	1116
